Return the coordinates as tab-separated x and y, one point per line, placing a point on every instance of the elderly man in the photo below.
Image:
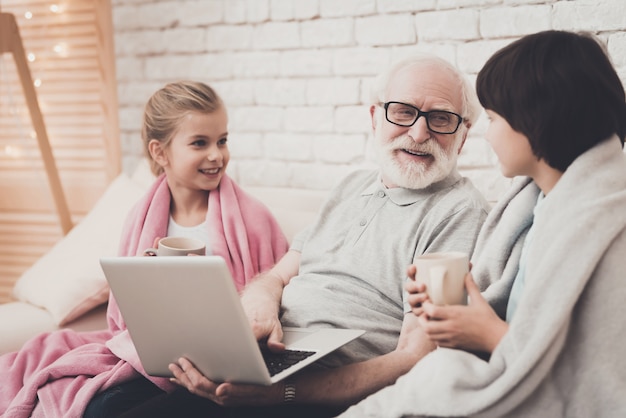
348	268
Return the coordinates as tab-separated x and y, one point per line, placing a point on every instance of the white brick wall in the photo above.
295	74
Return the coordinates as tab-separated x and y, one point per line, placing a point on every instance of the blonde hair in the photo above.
471	106
167	107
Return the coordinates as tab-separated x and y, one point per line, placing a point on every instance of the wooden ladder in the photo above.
11	42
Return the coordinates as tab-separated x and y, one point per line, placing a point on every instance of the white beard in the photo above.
415	175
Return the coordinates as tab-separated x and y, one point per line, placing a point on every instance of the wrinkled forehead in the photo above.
428	86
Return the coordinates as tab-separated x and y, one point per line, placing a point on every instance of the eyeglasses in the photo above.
438	121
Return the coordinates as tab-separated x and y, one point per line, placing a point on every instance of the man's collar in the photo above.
402	196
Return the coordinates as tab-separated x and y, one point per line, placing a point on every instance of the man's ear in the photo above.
157	152
468	125
373	117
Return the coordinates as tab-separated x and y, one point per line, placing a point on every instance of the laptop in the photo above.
189	307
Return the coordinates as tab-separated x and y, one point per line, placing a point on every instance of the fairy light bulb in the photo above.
61	49
13	151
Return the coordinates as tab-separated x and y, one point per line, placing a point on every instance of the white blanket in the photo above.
564	353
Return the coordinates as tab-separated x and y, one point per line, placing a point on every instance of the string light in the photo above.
18	143
61	49
12	151
54	8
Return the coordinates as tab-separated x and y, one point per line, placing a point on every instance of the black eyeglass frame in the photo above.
425	114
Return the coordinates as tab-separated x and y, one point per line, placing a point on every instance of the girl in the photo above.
185	135
552	249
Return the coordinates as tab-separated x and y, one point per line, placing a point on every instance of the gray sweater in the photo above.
355	256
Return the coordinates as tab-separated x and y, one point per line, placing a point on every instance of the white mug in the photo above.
444	275
177	246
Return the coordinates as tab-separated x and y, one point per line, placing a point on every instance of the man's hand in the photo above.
265	324
225	394
475	327
261	300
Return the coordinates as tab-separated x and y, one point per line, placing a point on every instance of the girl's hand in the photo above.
475	327
150	252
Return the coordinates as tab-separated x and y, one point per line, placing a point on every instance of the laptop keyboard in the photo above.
277	362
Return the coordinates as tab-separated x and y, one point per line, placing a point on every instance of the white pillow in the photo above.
67	280
142	175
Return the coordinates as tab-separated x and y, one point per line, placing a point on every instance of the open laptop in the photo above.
189	307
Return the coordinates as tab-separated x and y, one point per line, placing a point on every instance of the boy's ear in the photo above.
157	152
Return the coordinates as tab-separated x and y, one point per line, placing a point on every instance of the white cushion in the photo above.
294	209
142	175
20	321
33	321
68	281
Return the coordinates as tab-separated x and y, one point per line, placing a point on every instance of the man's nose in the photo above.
419	132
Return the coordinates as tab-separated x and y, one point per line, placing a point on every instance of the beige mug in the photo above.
177	246
444	276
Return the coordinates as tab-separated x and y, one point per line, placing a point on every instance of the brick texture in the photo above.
295	74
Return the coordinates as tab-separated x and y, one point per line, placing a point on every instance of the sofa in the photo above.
66	288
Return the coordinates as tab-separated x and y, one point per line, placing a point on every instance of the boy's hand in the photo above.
417	291
475	327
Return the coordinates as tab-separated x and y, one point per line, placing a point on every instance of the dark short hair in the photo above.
557	88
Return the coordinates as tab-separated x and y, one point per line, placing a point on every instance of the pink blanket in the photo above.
56	374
